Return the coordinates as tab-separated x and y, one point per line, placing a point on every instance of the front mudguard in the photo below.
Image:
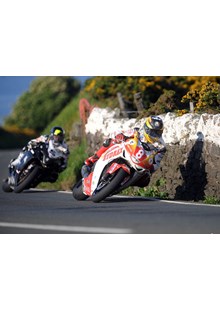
116	166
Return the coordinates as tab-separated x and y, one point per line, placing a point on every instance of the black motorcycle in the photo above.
36	166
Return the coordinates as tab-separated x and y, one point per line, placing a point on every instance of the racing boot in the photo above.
89	162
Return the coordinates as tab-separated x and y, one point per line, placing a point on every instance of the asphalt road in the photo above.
36	211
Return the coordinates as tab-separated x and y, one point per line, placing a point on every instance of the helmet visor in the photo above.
156	134
58	138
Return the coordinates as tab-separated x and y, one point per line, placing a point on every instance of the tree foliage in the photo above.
44	100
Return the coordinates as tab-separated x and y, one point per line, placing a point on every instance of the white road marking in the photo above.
76	229
190	203
196	204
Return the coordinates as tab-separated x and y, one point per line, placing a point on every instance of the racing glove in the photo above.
120	138
91	160
32	144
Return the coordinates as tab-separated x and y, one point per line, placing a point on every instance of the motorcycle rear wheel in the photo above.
111	187
78	192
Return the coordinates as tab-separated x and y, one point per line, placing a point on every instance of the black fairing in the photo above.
38	156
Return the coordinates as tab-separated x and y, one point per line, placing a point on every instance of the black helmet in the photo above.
57	134
153	128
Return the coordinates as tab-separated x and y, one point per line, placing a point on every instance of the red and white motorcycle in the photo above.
122	165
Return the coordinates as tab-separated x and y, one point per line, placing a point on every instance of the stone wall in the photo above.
191	171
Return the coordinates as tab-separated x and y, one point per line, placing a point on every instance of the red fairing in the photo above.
87	182
115	166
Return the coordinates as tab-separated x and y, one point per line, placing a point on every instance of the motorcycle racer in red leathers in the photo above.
150	136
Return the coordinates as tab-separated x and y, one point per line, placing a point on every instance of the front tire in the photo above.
26	183
6	187
111	187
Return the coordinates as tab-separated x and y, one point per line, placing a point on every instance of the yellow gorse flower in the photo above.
91	85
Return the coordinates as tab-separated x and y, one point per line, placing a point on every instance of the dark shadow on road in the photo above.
126	199
31	191
193	174
112	203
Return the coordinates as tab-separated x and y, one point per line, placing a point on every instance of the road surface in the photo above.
35	211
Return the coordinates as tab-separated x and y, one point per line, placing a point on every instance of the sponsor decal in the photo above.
112	154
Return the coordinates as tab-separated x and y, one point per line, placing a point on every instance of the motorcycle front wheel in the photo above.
27	180
6	187
110	187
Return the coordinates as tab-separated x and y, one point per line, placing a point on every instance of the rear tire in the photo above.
27	182
111	187
6	187
78	192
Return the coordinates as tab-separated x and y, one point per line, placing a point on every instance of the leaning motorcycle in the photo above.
125	164
38	164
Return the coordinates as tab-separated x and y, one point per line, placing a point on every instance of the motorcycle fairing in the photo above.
87	184
28	156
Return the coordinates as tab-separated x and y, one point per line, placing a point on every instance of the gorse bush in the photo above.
107	87
160	94
206	98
